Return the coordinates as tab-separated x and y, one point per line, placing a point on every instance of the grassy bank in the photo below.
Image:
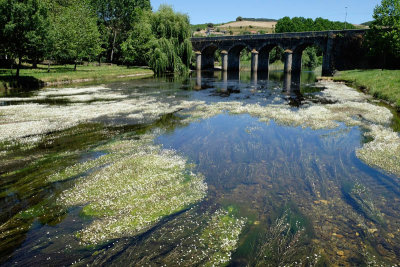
66	74
382	84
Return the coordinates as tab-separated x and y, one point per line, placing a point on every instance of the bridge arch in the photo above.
264	55
299	49
207	56
234	53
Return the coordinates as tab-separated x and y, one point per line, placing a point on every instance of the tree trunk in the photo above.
113	47
18	67
48	66
34	63
75	66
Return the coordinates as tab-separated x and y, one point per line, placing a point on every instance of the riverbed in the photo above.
211	169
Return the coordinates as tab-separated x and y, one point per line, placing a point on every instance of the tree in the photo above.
136	48
74	34
118	18
239	18
384	37
23	29
171	50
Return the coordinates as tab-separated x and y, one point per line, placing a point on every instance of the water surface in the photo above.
303	194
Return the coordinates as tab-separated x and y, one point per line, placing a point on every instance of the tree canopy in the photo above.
162	40
300	24
74	34
23	28
384	36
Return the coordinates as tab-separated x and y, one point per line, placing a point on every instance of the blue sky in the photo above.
216	11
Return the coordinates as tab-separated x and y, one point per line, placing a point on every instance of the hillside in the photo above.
235	28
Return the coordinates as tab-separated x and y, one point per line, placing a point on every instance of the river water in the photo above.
277	171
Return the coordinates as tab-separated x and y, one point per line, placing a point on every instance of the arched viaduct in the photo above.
342	50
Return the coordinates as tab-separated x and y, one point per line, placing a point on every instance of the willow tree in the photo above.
171	50
160	40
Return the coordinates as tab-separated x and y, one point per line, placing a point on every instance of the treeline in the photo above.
114	31
300	24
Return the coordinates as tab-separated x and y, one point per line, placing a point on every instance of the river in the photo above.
211	169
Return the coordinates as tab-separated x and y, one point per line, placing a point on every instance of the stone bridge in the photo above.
341	50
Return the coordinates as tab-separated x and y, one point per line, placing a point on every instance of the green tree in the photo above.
384	36
74	34
171	50
117	18
136	48
239	18
23	29
161	40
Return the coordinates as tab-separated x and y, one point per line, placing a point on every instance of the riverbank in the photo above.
382	84
65	74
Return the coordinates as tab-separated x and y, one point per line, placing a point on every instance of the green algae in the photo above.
220	237
141	186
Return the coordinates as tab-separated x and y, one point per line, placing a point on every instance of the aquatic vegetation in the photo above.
33	120
283	244
220	238
358	196
350	107
383	151
134	192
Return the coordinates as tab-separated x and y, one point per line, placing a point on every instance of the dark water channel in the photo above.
306	197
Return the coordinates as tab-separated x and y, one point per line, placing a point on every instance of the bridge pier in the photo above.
224	60
254	60
288	57
296	62
327	68
198	60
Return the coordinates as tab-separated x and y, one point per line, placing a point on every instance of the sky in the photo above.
218	11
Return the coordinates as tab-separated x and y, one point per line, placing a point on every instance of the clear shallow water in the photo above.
305	195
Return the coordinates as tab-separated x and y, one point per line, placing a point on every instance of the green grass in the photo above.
382	84
66	73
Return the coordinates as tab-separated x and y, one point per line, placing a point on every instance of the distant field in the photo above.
258	24
235	28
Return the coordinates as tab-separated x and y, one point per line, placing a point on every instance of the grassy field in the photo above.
66	74
382	84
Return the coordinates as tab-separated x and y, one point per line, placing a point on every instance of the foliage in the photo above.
276	54
24	26
116	19
310	59
301	24
239	18
75	34
384	37
136	48
162	41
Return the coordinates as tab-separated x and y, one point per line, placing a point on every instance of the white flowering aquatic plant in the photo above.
134	191
348	106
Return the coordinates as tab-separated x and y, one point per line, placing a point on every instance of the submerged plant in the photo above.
134	191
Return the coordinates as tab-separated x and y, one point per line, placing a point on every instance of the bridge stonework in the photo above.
342	50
